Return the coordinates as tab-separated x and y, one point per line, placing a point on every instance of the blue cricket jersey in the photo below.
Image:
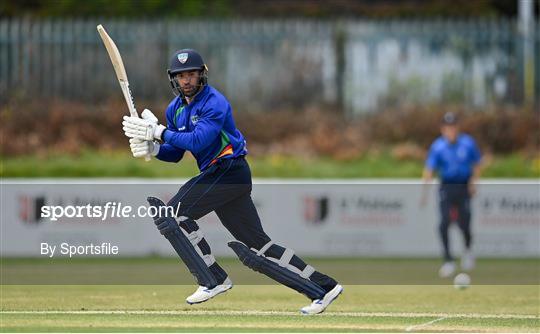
453	162
205	127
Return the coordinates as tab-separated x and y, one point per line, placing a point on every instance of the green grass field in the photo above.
258	306
268	308
350	271
122	164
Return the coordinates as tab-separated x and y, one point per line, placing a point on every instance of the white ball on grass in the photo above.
462	281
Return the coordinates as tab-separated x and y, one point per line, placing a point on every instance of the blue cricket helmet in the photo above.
186	60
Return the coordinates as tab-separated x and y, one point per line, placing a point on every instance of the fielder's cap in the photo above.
449	118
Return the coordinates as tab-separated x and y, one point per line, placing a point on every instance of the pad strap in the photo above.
285	260
195	237
263	248
286	257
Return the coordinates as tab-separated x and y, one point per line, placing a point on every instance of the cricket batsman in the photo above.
200	120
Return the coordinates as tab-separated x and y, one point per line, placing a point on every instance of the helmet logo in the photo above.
182	57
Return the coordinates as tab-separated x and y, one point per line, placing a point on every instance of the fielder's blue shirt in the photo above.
454	162
205	127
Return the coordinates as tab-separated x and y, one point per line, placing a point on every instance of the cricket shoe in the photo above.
319	305
467	261
447	269
203	293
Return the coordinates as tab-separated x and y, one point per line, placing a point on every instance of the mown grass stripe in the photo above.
276	313
414	327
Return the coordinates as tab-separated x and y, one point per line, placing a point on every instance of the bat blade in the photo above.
120	71
119	68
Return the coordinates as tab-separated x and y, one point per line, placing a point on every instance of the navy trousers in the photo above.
225	188
454	198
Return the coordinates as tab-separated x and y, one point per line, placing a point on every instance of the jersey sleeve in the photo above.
169	152
432	158
206	131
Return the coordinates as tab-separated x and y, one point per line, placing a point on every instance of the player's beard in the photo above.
193	90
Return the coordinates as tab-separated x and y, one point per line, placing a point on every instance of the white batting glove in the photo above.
143	129
143	148
148	115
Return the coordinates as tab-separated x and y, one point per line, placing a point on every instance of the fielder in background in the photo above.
456	159
200	120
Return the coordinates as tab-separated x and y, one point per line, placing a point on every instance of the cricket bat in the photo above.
120	71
